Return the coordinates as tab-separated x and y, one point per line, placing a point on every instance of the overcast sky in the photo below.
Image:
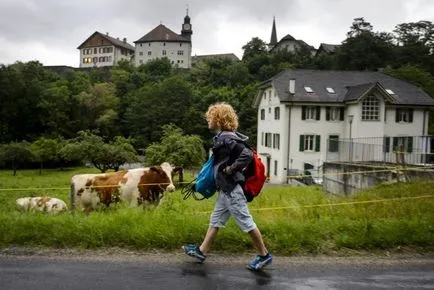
51	30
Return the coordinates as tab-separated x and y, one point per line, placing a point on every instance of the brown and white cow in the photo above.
134	186
41	204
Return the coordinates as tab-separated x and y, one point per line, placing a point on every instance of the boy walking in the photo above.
230	157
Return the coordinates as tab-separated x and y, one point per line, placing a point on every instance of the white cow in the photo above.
41	204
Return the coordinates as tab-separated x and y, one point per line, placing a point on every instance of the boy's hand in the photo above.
227	170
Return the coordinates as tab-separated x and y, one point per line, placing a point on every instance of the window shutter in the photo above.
410	144
386	144
341	115
410	115
317	143
395	143
396	116
301	143
327	113
303	112
318	112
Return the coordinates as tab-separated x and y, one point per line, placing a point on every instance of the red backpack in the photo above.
255	177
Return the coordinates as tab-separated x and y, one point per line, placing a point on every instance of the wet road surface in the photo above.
46	272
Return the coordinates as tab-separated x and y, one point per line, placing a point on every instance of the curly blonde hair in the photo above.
222	116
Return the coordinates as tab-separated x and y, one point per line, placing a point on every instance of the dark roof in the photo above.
114	41
348	86
164	34
327	48
287	37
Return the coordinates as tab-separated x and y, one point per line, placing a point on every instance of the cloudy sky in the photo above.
51	30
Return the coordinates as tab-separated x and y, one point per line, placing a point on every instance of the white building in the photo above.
100	50
163	42
300	111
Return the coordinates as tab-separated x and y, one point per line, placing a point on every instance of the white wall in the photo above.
391	128
113	56
269	101
156	49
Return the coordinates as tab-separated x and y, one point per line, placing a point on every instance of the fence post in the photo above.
72	197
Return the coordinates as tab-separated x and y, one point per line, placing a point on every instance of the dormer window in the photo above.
390	92
330	90
308	89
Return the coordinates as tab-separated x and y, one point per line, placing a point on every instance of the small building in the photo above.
302	114
328	49
162	42
101	50
287	43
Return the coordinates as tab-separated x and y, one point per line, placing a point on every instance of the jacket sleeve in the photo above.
244	158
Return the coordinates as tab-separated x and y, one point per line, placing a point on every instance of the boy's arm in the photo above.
242	161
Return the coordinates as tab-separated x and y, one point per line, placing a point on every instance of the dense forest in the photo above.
132	105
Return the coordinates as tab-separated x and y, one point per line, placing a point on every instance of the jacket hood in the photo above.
232	135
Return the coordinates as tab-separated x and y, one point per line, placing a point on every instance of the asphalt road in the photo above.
107	271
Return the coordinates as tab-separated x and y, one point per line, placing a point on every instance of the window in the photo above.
180	52
277	113
262	138
276	141
164	52
149	44
140	61
275	167
333	143
310	113
371	109
262	114
95	50
268	140
308	89
140	45
334	114
310	143
403	144
149	52
390	92
164	44
141	53
101	59
95	60
180	44
404	116
100	50
330	90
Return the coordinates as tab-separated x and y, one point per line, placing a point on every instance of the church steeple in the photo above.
186	27
273	40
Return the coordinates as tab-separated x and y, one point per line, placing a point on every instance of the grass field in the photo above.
293	220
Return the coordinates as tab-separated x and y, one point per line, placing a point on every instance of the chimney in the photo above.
292	86
125	40
106	33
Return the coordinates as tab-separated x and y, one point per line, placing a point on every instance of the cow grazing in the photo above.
41	204
134	186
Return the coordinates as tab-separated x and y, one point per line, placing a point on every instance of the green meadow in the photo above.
293	220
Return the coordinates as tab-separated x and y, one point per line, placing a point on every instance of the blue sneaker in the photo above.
193	251
260	262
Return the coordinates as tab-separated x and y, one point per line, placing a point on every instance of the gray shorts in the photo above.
234	204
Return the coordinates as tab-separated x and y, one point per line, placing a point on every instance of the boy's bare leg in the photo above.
258	243
208	240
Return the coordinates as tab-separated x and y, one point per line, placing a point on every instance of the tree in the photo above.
45	149
415	44
363	49
254	47
153	106
91	148
358	27
16	153
99	109
176	148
